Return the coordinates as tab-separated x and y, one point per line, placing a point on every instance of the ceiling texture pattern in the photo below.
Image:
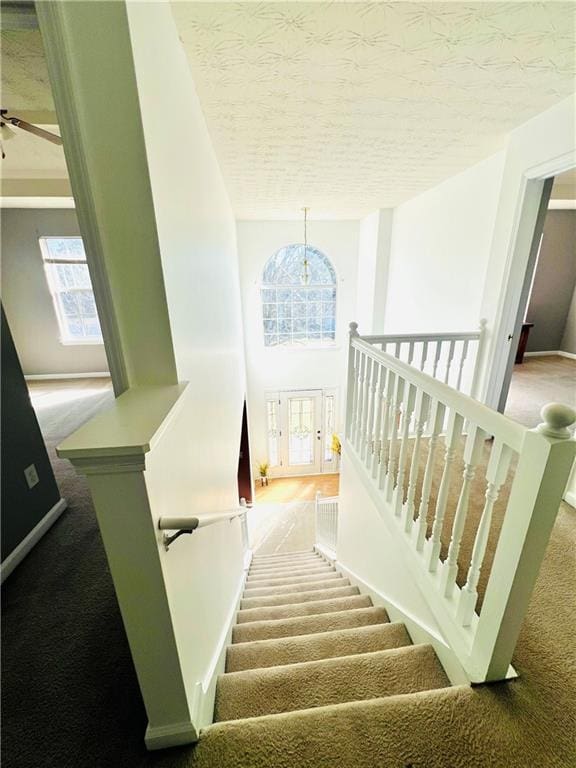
347	107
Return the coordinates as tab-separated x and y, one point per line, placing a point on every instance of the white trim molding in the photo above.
562	205
36	202
19	553
173	735
550	353
85	375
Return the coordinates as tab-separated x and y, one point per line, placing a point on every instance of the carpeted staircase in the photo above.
307	645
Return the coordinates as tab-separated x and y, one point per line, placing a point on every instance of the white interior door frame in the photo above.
517	283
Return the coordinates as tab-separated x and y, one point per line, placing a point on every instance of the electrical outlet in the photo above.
31	476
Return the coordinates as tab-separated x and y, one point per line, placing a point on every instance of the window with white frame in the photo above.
69	282
299	298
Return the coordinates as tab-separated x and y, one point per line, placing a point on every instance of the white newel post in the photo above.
121	501
544	466
351	389
475	385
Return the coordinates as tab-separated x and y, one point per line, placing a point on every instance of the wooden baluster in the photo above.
363	436
496	473
368	447
407	412
449	361
359	390
424	355
380	405
422	412
437	421
386	421
397	347
472	455
455	424
410	352
475	385
437	358
395	414
461	366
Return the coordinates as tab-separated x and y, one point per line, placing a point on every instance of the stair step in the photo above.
279	555
357	734
266	570
316	576
306	625
298	597
306	586
330	681
284	573
323	645
311	608
287	563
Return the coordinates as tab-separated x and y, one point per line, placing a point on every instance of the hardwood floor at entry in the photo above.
284	489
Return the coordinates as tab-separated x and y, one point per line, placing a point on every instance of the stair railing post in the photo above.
475	385
544	465
351	385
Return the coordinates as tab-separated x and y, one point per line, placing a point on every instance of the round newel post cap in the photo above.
353	329
557	418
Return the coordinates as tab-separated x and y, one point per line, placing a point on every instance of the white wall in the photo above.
197	237
440	251
375	231
271	368
27	299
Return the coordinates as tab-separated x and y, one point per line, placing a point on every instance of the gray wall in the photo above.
22	445
27	300
554	283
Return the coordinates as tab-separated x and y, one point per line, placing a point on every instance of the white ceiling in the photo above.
346	107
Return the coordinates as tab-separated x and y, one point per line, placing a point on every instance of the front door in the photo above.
301	440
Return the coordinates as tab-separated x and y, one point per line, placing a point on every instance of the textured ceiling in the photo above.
25	81
346	107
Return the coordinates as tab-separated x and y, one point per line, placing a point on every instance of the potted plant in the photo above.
263	472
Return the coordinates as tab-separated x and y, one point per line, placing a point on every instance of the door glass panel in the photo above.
301	430
273	432
328	427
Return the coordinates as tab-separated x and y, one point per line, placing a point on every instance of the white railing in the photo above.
454	358
396	418
326	514
190	523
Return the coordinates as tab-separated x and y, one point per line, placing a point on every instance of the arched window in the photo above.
299	298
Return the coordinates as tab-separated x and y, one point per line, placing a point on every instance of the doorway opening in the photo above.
543	368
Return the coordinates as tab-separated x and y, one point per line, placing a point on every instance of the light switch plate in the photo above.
31	476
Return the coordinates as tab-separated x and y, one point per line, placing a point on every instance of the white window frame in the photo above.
306	343
66	338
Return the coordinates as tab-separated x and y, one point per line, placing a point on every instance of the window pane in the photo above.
273	432
300	431
328	427
65	248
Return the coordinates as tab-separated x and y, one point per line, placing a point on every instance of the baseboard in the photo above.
175	735
17	555
570	498
204	701
47	376
553	353
418	632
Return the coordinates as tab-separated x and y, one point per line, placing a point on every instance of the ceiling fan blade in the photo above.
52	137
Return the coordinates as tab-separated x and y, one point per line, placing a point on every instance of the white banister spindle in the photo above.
380	405
397	347
362	434
424	355
360	392
422	412
395	414
438	412
472	454
410	352
463	357
369	443
451	349
407	411
455	424
388	416
496	473
437	358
